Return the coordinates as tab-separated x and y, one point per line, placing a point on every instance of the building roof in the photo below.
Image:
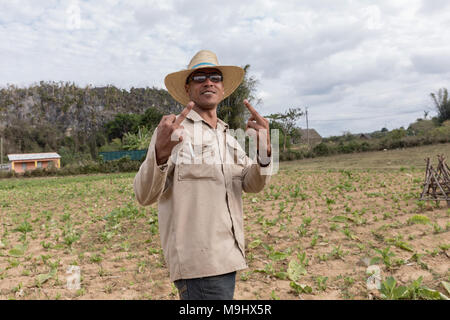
310	130
313	134
33	156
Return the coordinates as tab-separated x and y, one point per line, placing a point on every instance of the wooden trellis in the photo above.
437	182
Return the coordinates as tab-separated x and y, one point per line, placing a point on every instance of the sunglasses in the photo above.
199	78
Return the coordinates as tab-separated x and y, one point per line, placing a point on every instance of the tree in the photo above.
442	104
122	124
137	141
232	109
287	121
151	118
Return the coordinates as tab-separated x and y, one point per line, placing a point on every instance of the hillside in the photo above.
47	116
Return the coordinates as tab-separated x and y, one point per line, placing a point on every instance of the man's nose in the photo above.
208	82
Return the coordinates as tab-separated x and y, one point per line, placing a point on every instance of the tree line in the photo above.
78	122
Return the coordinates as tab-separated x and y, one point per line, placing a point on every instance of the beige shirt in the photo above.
199	194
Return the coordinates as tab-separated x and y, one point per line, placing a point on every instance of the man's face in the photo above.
207	94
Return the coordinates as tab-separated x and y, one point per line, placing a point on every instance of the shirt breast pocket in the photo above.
196	162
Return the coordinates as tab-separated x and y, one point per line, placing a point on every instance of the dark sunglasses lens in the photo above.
215	77
202	78
199	79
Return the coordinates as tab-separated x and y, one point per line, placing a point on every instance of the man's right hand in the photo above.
169	134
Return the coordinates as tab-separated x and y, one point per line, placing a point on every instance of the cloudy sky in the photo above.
358	65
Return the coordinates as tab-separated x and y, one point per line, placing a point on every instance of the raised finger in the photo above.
184	113
252	110
254	125
170	118
167	120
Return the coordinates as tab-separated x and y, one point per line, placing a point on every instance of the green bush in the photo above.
124	164
7	174
291	155
322	149
365	146
349	147
38	172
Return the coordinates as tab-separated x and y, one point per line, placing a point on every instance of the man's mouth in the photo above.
208	92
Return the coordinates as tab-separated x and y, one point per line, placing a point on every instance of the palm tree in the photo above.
442	104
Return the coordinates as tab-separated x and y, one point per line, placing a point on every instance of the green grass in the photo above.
315	217
401	159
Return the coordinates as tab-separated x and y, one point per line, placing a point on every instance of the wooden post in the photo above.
437	182
307	127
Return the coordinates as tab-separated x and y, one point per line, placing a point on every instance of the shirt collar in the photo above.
194	116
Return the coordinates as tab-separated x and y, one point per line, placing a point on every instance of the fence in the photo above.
114	155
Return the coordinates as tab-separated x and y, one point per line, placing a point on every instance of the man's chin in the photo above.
206	105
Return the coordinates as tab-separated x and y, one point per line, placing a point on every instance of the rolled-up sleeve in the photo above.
149	181
255	177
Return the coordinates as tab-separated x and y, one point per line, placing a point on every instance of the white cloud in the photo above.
373	61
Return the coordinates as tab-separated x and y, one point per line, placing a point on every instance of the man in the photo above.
197	171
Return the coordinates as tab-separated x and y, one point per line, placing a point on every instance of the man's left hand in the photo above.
261	126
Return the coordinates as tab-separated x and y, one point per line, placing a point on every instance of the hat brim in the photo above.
175	82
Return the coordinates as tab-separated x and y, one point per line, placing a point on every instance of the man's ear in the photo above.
186	87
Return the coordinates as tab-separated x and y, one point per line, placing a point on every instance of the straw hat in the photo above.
175	82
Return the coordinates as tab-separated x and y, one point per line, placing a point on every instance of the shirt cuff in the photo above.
262	163
163	167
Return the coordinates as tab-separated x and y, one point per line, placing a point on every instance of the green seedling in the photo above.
421	205
446	286
300	288
386	256
349	234
25	227
278	256
246	275
417	258
42	278
419	219
390	291
254	244
274	296
302	230
307	220
418	291
314	239
17	251
321	282
295	270
337	253
400	243
414	291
